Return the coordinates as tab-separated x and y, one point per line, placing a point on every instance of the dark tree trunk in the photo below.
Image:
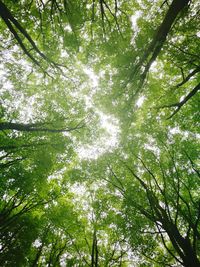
34	127
154	48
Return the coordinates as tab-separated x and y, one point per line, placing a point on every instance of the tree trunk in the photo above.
154	48
34	127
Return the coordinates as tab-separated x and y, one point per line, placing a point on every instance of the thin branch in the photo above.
10	20
179	105
188	77
192	163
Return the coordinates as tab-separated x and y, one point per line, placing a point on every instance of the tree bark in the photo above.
154	48
179	105
33	127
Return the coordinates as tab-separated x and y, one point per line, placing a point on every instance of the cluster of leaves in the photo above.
137	205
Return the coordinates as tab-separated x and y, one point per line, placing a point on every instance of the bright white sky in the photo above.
109	140
109	124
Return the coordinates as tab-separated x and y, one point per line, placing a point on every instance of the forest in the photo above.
99	133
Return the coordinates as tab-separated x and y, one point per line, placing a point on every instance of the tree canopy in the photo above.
99	133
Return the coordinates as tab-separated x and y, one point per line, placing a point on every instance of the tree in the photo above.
155	46
76	76
34	127
161	203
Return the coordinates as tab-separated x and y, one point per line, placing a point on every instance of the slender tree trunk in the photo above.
39	252
94	255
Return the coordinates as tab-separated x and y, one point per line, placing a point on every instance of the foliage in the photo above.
99	130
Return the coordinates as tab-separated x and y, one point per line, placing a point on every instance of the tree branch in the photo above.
180	104
35	127
154	48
